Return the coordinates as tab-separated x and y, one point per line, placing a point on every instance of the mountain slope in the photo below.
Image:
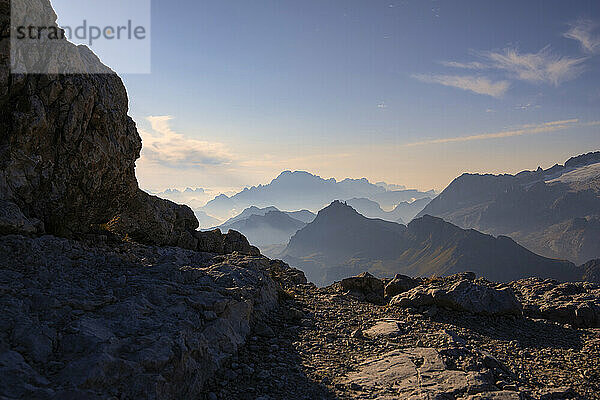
341	242
407	211
371	209
554	212
302	215
404	211
247	213
274	227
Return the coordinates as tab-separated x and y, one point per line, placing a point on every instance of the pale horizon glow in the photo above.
390	91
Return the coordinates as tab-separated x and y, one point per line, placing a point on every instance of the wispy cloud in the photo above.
172	149
541	67
464	65
475	84
583	32
530	129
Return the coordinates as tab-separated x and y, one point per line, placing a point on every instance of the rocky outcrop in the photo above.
68	148
365	286
416	373
400	284
591	271
127	321
574	303
462	293
68	151
12	220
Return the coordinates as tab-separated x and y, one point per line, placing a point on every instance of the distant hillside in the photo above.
195	198
205	220
341	242
247	213
303	215
407	211
371	209
554	212
274	227
301	190
404	211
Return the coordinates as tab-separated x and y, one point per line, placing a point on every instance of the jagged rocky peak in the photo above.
68	152
584	159
337	208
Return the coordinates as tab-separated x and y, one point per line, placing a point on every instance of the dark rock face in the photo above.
68	147
216	242
67	156
591	271
12	220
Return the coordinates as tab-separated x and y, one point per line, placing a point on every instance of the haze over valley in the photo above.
297	200
543	216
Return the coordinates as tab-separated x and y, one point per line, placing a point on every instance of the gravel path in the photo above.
319	339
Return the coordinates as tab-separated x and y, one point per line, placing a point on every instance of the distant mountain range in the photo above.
302	190
341	242
301	215
193	197
403	212
274	227
268	226
553	212
204	219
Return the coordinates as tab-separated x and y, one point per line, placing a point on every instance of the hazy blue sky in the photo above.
410	92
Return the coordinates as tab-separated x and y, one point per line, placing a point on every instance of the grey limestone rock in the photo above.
460	294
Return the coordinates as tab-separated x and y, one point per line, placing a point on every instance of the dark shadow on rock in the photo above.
268	364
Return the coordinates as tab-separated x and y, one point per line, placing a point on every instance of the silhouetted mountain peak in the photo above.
338	209
584	159
299	176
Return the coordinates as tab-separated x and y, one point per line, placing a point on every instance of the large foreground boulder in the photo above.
574	303
366	286
461	293
418	373
68	147
68	150
400	284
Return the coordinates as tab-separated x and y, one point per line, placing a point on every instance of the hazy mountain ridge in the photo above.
402	213
272	227
302	190
340	242
193	197
554	212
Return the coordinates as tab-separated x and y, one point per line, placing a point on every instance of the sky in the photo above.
412	92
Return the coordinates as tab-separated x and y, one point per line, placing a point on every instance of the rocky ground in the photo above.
327	343
96	319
